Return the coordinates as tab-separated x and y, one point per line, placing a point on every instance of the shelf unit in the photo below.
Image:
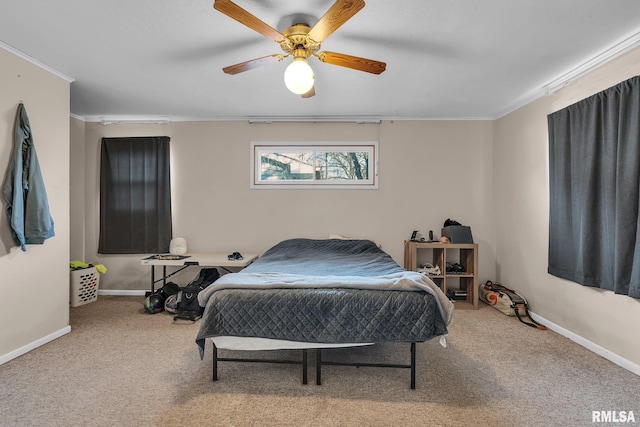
466	254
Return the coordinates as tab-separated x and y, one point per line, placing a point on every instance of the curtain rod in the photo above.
356	120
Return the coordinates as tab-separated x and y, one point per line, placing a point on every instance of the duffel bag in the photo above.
507	301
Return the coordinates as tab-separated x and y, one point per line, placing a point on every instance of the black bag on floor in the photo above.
188	307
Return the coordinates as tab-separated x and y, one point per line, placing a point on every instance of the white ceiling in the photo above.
445	58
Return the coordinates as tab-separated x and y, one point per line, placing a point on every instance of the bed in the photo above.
313	294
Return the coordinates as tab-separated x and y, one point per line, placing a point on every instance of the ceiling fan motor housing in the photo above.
297	41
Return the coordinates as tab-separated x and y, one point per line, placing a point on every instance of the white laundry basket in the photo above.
84	286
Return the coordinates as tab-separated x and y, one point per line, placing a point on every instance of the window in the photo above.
314	165
135	196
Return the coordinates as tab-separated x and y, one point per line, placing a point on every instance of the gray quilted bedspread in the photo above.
326	257
324	291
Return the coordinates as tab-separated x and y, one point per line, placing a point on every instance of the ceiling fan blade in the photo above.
310	93
338	14
254	63
234	11
354	62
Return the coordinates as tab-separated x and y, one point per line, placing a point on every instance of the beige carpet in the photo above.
120	366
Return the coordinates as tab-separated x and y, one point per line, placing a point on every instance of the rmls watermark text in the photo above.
613	417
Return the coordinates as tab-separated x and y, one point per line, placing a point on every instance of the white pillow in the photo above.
339	236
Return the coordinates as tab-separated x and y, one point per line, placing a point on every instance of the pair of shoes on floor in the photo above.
455	268
430	270
154	303
236	256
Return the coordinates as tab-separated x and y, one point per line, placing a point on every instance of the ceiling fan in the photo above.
301	42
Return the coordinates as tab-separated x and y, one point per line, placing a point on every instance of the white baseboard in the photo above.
120	292
31	346
57	334
601	351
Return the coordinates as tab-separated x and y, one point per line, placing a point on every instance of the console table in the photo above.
197	259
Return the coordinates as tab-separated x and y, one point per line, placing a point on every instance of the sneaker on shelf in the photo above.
455	268
429	270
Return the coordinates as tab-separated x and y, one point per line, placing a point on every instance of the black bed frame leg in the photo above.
413	366
318	366
215	363
304	366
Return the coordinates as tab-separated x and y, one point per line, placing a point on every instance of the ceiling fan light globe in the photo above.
299	76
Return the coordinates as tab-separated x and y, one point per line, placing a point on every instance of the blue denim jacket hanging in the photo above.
27	204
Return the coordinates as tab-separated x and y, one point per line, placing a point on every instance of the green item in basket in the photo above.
78	265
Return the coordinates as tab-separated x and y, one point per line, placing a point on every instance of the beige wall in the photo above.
429	171
604	319
35	284
77	189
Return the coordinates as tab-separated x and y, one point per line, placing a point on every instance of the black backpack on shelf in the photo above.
188	307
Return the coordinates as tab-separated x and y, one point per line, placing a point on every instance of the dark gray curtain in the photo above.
135	196
594	173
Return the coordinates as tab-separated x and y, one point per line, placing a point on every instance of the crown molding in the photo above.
622	46
35	62
592	63
107	120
